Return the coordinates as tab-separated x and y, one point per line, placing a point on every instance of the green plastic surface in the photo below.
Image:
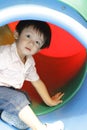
70	89
79	5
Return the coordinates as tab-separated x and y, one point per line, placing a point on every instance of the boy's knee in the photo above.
19	101
20	98
16	102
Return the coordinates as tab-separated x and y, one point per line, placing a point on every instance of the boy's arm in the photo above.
43	92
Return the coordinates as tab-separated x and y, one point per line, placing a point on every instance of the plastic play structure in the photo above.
63	65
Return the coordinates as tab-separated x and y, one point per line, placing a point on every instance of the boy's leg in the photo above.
11	102
16	102
32	121
29	118
13	120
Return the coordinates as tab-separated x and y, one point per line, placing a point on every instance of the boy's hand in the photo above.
56	99
43	92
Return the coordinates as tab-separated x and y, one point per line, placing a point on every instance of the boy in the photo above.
17	65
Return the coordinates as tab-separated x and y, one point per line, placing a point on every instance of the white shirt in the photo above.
12	71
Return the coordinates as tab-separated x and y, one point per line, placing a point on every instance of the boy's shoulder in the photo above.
4	49
5	56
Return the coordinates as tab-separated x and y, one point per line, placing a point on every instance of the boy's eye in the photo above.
28	36
38	43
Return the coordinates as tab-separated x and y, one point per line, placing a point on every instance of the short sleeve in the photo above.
31	74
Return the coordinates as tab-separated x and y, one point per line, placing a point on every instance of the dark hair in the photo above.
41	26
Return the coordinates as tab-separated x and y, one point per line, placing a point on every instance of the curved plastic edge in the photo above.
66	22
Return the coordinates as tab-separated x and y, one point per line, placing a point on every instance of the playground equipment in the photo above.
64	65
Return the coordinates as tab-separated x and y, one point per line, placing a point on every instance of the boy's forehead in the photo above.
32	29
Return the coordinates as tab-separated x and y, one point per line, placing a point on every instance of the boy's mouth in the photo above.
28	48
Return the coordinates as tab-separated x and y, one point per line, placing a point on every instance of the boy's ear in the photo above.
16	35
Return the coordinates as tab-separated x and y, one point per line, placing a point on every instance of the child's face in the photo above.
29	42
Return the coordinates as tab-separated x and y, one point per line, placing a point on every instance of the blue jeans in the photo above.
12	100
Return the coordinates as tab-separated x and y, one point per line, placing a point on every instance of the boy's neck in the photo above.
23	59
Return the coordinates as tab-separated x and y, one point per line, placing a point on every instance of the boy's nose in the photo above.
31	43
